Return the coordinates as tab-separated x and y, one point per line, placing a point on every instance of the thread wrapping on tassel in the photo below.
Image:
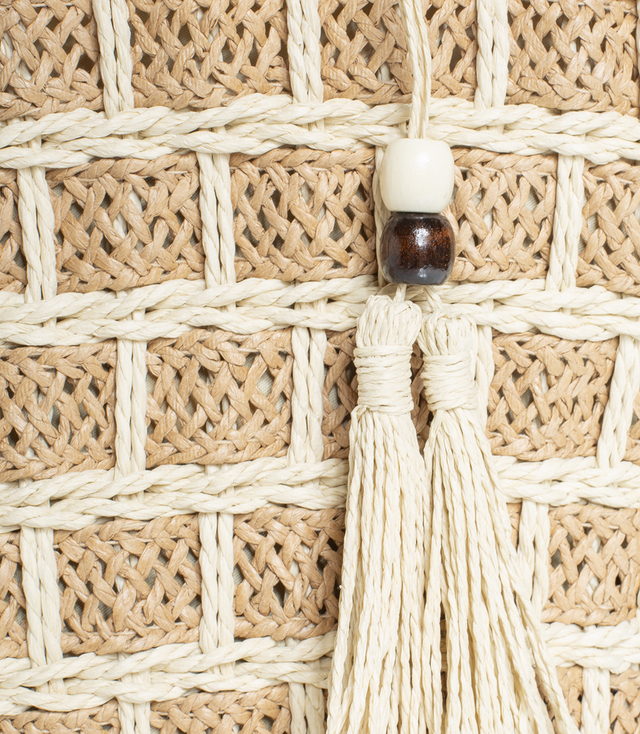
376	673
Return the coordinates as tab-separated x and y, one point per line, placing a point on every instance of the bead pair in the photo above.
417	246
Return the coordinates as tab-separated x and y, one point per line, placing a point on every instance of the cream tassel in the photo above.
497	664
376	674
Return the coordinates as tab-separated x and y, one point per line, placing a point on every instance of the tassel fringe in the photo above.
376	674
497	668
428	538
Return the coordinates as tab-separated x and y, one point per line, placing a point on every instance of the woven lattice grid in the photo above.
572	55
290	563
48	58
548	395
57	410
502	215
239	385
594	576
540	235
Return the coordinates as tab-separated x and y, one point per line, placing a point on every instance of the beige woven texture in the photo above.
183	256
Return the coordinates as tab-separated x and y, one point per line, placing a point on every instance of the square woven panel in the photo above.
190	210
203	54
126	223
57	411
219	398
303	215
129	586
50	58
571	55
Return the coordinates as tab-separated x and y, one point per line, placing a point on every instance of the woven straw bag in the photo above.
188	217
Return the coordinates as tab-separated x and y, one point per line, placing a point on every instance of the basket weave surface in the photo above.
179	288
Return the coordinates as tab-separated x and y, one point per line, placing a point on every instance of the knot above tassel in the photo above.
384	378
447	370
386	334
448	382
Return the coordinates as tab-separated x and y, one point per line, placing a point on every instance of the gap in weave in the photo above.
333	394
20	613
143	15
184	36
264	223
227	56
86	65
556	562
253	58
532	201
336	232
456	54
68	44
279	590
594	581
12	437
74	208
265	383
237	575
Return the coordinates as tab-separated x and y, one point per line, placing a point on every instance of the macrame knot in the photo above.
448	383
387	331
384	378
447	373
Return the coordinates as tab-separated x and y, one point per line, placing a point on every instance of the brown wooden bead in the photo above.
417	249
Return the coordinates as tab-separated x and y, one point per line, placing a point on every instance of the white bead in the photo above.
417	176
